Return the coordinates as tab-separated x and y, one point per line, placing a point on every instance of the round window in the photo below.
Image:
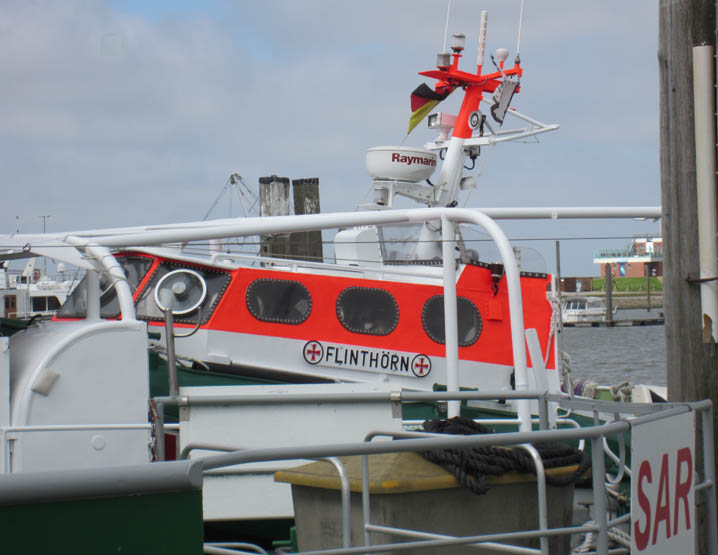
469	320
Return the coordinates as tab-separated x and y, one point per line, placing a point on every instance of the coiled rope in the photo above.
618	538
620	392
472	466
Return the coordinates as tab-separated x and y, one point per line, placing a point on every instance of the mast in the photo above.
449	77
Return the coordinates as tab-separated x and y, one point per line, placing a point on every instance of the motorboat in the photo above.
31	294
576	310
376	312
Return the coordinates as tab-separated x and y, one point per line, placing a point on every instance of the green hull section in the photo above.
160	523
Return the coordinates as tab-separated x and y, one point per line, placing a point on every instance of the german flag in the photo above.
423	101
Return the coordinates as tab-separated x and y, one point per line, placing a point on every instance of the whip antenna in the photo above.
518	41
482	40
446	27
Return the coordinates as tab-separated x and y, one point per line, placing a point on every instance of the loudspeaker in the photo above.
474	119
181	290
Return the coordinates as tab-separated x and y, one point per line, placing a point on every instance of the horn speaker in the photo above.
181	290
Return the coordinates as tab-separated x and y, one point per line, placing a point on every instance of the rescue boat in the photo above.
323	322
377	312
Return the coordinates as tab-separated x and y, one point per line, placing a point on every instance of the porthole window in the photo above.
469	320
367	310
278	300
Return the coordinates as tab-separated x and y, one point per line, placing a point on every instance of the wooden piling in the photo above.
609	293
274	201
691	364
306	245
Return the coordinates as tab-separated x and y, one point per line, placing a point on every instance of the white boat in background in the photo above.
31	294
583	309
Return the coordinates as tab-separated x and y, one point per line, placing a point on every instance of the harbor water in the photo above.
611	355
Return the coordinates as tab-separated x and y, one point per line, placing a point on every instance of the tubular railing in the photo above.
395	397
419	441
299	265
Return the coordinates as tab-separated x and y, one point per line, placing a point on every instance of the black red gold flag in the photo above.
423	101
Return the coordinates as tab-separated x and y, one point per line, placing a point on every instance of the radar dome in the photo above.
400	163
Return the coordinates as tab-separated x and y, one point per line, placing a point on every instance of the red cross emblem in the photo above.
421	365
313	352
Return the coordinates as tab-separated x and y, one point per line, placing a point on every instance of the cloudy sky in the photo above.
125	112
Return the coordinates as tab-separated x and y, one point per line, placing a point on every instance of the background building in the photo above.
642	256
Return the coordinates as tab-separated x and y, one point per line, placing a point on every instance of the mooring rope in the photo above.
472	466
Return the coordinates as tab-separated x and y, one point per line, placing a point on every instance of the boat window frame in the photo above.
425	321
215	293
378	331
108	295
277	320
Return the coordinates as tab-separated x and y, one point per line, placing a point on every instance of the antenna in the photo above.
44	229
518	40
482	40
446	27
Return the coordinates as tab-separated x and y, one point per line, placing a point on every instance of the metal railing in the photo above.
235	260
419	441
628	253
608	412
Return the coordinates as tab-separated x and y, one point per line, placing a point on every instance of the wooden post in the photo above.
274	201
609	293
306	245
691	364
648	286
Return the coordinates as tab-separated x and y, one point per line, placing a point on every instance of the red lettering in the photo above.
643	535
663	511
683	488
409	160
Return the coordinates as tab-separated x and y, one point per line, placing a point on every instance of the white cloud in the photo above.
116	118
